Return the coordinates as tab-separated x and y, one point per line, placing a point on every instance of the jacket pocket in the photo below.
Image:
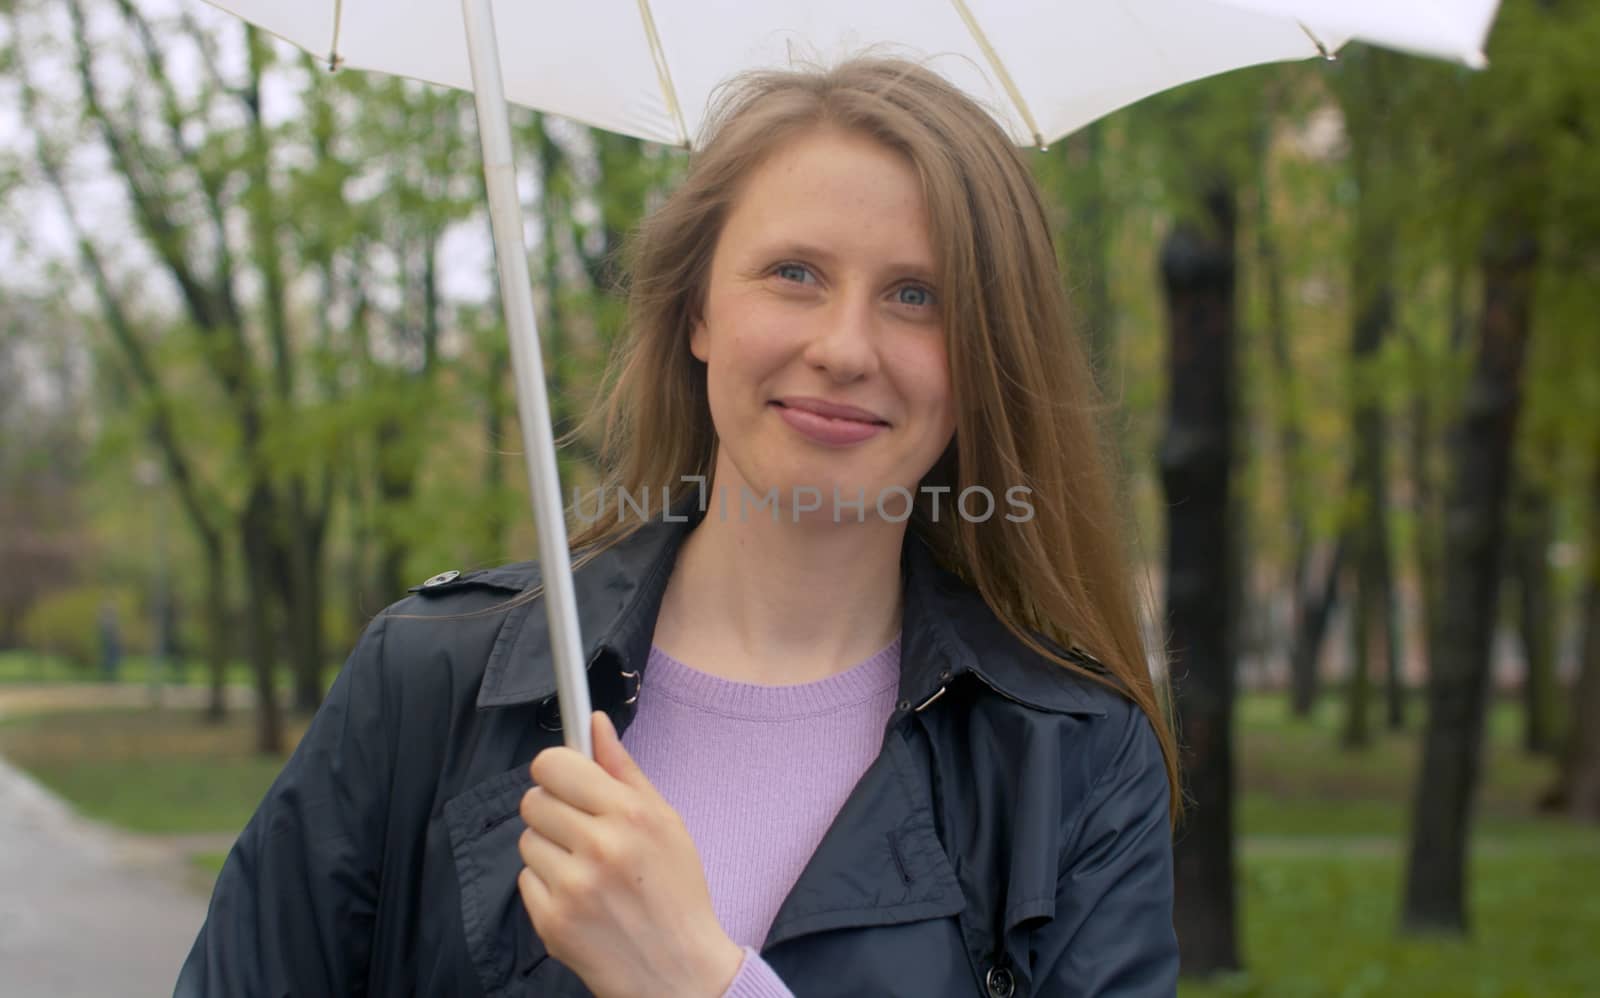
484	823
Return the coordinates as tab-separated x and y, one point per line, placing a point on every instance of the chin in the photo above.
819	491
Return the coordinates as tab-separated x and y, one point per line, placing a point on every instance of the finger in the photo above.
565	774
555	819
613	757
535	895
546	859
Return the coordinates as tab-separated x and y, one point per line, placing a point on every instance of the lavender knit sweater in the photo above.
758	774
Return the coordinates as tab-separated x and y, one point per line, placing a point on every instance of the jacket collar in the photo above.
945	624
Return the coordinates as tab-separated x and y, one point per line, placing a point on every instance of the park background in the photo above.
254	385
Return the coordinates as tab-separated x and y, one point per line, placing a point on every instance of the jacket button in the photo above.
548	714
442	578
1000	983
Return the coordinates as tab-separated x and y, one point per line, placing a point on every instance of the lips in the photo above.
830	424
832	410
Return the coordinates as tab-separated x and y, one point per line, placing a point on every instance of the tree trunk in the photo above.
1311	629
295	564
1197	267
1475	526
300	585
1530	545
218	630
396	477
496	405
1580	770
1371	269
1577	789
1394	652
1425	477
399	444
1424	492
1357	730
259	619
1269	261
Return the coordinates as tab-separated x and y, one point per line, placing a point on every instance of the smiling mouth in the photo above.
832	412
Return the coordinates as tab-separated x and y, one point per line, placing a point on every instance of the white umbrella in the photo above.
647	68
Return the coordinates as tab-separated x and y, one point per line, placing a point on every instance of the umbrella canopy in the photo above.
1046	68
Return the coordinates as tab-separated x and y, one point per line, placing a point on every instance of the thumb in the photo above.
612	757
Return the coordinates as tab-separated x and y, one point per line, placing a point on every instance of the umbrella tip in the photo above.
335	62
1321	48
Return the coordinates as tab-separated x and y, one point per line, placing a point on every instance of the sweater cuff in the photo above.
756	980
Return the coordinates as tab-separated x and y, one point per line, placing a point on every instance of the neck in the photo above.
781	603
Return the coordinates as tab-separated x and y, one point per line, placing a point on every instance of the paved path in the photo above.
86	912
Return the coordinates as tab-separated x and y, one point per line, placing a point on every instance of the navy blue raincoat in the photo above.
1011	838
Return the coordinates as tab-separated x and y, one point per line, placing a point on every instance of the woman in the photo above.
852	595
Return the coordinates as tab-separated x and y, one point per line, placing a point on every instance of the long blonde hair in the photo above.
1025	395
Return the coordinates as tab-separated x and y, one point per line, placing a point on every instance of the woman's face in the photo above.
822	332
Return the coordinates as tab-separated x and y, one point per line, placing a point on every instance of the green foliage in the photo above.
68	623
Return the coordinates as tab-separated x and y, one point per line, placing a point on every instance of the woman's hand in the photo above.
612	880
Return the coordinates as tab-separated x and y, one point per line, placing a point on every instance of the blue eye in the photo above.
926	295
787	270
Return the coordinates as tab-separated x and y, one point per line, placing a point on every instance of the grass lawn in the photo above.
31	667
1322	845
1323	835
1297	781
149	771
1325	925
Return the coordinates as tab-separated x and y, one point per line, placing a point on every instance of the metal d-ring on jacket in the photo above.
1010	839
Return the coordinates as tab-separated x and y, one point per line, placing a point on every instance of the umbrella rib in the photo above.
1322	49
663	75
334	58
999	68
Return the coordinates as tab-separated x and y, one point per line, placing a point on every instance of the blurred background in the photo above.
254	385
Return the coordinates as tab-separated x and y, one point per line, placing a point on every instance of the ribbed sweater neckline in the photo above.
668	677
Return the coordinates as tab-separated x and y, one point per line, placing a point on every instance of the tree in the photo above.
1578	793
43	385
1367	79
1527	211
1532	533
1475	528
1308	614
256	381
1197	268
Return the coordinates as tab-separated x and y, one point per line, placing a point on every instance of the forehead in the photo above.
838	191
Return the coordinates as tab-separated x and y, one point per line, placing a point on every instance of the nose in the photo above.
844	346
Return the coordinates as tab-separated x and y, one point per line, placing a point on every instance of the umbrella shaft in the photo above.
533	406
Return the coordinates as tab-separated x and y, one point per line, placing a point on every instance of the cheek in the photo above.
927	369
738	374
757	348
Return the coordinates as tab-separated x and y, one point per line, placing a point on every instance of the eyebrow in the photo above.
802	249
